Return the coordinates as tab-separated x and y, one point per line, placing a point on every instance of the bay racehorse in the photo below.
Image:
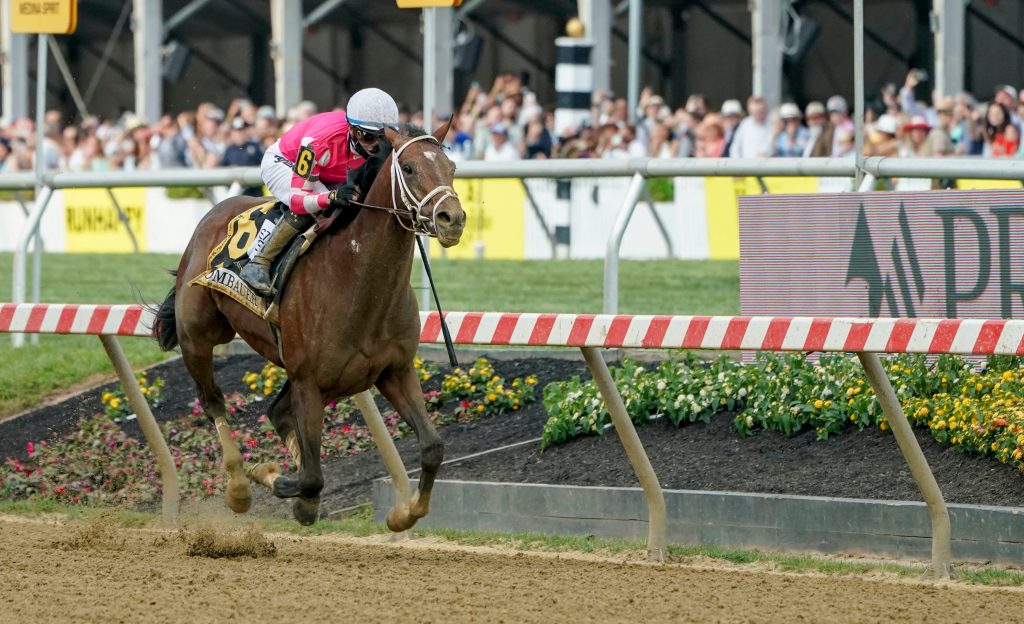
348	321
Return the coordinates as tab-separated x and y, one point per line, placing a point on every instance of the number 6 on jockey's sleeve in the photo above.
304	162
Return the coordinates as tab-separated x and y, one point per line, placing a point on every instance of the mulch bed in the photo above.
865	464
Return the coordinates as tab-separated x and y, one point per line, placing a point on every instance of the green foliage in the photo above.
975	411
184	192
661	189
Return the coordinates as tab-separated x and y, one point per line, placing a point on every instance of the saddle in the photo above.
232	253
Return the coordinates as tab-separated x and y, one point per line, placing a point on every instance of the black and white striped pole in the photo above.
574	83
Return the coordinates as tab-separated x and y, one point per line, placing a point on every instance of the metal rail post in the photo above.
385	445
611	258
657	539
168	472
42	199
941	552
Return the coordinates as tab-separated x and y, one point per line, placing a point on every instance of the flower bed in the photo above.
975	410
101	464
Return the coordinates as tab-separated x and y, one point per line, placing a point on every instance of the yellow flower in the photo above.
850	402
828	403
940	425
492	397
995	446
851	391
978	387
923	411
1016	454
819	404
106	397
883	425
144	390
115	403
895	368
479	408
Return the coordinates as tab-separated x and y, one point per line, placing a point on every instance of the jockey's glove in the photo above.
343	196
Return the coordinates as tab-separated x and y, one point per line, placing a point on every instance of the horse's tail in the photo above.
165	329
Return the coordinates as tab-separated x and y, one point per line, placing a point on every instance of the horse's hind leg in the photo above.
283	418
306	416
402	389
197	351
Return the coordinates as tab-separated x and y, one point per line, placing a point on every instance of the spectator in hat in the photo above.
500	148
882	140
940	140
816	123
847	145
915	142
753	137
1002	138
789	136
839	117
243	150
732	113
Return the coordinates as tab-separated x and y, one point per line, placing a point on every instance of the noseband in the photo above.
409	214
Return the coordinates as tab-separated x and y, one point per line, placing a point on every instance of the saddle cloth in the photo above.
228	257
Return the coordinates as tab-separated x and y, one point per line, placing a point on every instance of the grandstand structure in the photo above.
155	56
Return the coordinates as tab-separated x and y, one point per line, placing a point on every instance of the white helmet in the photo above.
372	109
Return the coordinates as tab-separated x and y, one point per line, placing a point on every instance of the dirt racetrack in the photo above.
96	572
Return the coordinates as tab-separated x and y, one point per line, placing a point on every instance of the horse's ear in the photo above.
442	132
397	140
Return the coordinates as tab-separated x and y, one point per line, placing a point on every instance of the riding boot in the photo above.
256	272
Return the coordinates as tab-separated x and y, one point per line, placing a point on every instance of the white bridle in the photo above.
417	222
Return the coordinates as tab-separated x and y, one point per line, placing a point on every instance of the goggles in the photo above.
368	137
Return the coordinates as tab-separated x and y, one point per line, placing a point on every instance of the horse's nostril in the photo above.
444	217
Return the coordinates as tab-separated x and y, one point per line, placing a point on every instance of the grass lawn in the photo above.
646	287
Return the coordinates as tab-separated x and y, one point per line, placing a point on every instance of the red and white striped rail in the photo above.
754	333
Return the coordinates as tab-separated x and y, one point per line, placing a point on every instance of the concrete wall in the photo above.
729	519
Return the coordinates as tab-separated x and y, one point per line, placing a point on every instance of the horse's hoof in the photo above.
399	519
286	486
238	496
306	510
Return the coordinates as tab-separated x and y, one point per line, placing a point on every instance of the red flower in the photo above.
252	443
31	448
346	429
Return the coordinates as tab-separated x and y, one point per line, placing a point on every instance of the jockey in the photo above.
338	147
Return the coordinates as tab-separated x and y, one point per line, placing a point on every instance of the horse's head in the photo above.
421	181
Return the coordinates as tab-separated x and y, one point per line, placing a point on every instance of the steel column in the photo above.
286	50
949	26
766	26
636	33
858	88
596	16
148	26
14	68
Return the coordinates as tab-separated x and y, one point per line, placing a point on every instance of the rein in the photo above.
409	217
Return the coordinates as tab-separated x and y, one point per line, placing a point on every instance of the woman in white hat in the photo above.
790	137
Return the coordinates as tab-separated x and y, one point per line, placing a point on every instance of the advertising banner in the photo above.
93	224
942	254
494	220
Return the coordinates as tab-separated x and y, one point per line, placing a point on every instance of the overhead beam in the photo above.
766	25
182	15
870	34
321	12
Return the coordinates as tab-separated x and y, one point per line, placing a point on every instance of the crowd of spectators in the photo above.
506	122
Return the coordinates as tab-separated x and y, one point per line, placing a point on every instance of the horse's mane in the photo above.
411	130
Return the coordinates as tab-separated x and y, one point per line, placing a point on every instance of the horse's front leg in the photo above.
402	389
307	405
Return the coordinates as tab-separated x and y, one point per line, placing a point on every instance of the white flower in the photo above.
661	384
750	422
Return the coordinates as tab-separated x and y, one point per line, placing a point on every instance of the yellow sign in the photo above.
53	17
93	225
495	223
422	4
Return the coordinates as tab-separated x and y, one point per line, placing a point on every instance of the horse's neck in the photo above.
375	247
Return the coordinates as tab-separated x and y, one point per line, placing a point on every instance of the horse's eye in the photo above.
407	169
